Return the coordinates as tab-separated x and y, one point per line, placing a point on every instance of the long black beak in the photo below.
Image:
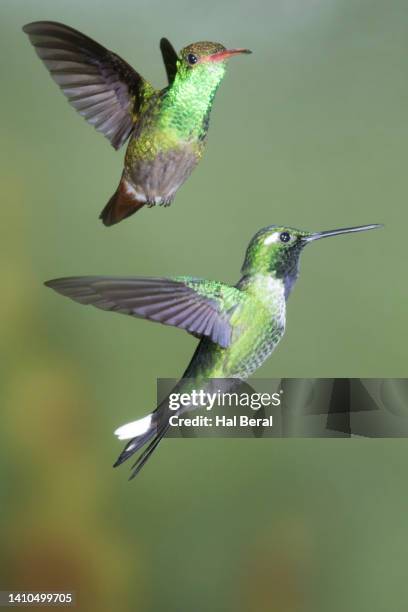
344	230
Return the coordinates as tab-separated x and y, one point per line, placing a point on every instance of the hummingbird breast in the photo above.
160	155
157	175
258	325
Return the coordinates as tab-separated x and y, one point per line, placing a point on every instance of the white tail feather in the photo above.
134	429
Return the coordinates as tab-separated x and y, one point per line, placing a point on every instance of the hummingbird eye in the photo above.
192	59
284	237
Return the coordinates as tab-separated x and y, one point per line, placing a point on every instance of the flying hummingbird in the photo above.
167	129
239	326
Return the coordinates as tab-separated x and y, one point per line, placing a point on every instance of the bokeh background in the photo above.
311	131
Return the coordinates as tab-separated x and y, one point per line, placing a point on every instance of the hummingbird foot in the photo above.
166	203
159	201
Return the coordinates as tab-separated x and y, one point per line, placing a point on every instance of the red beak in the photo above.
223	55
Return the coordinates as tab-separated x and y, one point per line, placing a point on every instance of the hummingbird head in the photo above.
275	250
204	57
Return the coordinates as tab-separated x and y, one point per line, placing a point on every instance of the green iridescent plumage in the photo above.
167	128
239	325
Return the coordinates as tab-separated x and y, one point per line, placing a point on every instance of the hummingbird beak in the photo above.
220	56
344	230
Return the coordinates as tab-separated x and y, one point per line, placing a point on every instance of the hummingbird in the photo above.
239	326
167	128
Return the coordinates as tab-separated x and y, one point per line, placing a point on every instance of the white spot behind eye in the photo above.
272	238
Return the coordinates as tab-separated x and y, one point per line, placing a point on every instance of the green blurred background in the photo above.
311	131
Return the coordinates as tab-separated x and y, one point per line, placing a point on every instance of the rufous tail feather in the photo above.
122	204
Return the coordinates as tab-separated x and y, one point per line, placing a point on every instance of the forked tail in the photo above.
150	428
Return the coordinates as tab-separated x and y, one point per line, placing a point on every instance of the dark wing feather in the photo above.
165	300
100	85
170	59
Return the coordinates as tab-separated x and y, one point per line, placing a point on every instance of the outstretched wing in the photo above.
99	84
170	59
198	306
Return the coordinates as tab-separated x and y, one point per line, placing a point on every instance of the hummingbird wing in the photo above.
170	59
201	307
99	84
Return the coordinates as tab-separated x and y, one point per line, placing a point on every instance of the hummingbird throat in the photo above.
188	101
279	264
